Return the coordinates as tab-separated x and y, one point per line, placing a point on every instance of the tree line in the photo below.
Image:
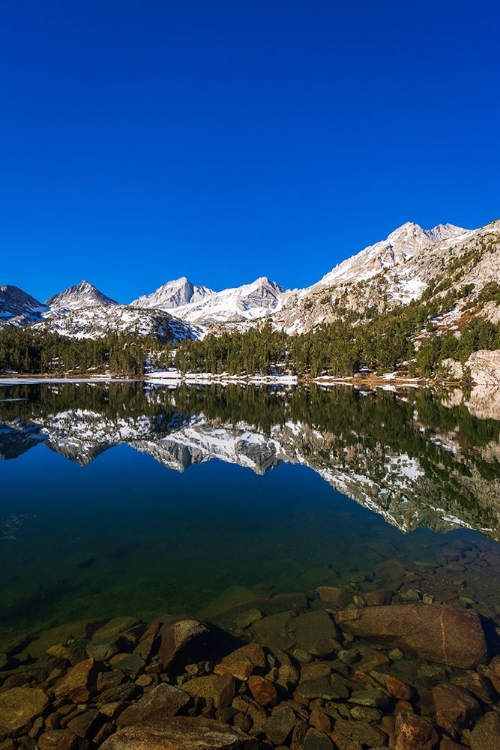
405	338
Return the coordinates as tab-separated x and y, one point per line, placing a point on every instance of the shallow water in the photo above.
120	499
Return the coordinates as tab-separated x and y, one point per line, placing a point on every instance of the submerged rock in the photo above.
182	733
438	633
79	683
486	733
161	703
19	708
181	639
413	733
456	709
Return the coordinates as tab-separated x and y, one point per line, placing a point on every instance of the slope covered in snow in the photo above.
75	297
389	273
173	294
18	308
99	320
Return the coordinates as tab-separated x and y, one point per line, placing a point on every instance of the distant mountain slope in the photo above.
77	296
174	294
97	321
411	262
238	307
18	308
396	271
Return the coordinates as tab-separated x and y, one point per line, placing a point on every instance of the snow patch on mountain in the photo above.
18	308
401	245
174	294
76	297
99	320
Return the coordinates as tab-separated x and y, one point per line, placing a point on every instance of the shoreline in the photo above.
373	381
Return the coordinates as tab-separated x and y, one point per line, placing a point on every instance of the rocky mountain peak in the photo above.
444	232
75	297
173	294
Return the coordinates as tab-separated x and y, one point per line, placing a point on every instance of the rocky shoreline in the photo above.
350	668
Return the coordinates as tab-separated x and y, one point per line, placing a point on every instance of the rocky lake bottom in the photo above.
247	569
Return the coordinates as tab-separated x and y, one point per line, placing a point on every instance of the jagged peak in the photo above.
266	281
78	292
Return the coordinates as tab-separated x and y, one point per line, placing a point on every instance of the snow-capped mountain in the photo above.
238	307
76	297
18	308
174	294
99	320
389	273
401	245
396	271
198	305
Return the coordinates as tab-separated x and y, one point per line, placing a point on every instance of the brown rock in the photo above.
397	688
315	740
239	669
79	683
456	709
113	710
288	676
85	724
250	708
437	633
106	680
360	731
162	703
315	670
334	597
131	664
262	690
251	652
325	647
448	744
124	692
478	685
378	597
279	726
413	733
182	733
57	739
320	721
486	733
146	646
114	627
313	631
175	640
494	666
220	689
103	733
19	708
103	649
273	632
344	743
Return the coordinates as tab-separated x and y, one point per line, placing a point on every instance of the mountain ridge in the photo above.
389	273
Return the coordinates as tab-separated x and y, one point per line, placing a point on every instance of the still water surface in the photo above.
124	499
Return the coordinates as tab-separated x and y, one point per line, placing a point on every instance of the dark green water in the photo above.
116	499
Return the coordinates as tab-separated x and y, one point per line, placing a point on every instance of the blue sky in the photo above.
143	140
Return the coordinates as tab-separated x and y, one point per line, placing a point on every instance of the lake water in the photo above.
129	499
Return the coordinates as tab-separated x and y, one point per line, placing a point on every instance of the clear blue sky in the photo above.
143	140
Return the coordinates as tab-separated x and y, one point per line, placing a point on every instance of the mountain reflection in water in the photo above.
412	457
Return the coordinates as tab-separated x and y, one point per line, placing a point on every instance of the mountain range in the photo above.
389	273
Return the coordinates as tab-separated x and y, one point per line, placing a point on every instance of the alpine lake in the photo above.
281	517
